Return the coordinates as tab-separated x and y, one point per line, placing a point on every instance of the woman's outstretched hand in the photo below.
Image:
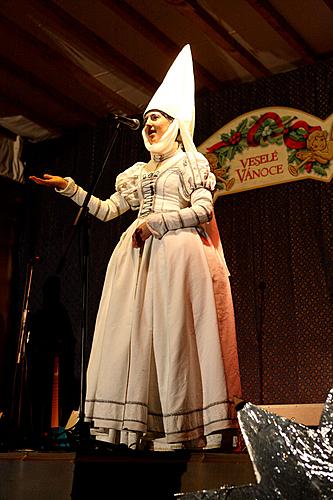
48	180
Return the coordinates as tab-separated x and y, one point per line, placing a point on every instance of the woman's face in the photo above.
155	124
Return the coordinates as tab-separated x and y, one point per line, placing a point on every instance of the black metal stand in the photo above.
20	373
262	286
80	431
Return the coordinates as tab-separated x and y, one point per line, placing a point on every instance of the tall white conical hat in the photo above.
175	96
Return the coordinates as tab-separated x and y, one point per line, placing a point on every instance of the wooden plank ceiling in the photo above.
68	63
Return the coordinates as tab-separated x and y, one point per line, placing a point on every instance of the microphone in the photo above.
132	123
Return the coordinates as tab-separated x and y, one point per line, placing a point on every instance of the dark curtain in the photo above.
278	245
277	241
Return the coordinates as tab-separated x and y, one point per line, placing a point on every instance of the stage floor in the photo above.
125	474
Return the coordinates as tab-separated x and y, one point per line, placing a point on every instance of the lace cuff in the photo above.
104	210
70	189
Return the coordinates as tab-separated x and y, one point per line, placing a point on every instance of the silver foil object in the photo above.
290	461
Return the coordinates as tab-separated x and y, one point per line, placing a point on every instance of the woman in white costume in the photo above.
163	362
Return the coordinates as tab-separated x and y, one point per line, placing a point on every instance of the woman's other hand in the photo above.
140	235
48	180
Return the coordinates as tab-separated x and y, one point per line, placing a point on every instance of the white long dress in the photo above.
157	366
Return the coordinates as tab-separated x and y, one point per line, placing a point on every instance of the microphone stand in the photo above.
81	220
20	373
262	286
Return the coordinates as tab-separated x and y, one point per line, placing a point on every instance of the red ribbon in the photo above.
216	146
289	142
301	143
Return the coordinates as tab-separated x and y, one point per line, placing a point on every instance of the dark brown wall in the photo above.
11	210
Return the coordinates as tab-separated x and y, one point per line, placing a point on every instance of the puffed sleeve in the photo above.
124	198
197	183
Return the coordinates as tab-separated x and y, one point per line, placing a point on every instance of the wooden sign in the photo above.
270	146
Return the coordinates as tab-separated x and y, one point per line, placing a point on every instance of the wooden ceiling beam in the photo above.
55	71
10	107
101	98
13	106
38	102
284	29
46	92
57	23
18	51
329	4
141	24
192	10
